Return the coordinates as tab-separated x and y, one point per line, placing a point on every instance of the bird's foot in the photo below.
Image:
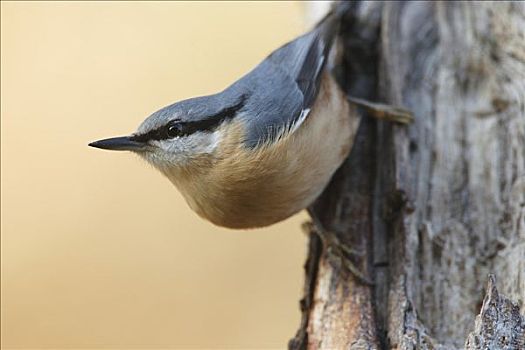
384	111
337	252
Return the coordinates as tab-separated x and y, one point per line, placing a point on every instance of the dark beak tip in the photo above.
93	144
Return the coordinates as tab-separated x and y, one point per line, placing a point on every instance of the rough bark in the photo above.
437	206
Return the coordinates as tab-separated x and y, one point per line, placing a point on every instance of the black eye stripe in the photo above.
178	128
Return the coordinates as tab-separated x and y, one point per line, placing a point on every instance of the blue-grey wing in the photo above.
283	87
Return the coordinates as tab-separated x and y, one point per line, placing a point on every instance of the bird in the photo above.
264	148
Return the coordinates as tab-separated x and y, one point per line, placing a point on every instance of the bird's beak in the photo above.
123	143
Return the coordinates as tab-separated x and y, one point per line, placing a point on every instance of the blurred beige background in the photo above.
98	249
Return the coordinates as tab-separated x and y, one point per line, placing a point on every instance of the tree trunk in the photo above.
435	207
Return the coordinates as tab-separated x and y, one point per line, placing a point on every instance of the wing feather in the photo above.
285	85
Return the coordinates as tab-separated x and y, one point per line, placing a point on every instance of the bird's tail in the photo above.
329	25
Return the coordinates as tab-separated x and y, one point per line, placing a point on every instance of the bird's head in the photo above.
180	136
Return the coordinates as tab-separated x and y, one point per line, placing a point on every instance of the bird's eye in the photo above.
175	130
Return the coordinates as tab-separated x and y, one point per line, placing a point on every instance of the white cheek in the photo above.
208	143
196	144
180	151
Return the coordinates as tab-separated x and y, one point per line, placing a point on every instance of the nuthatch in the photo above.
265	147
